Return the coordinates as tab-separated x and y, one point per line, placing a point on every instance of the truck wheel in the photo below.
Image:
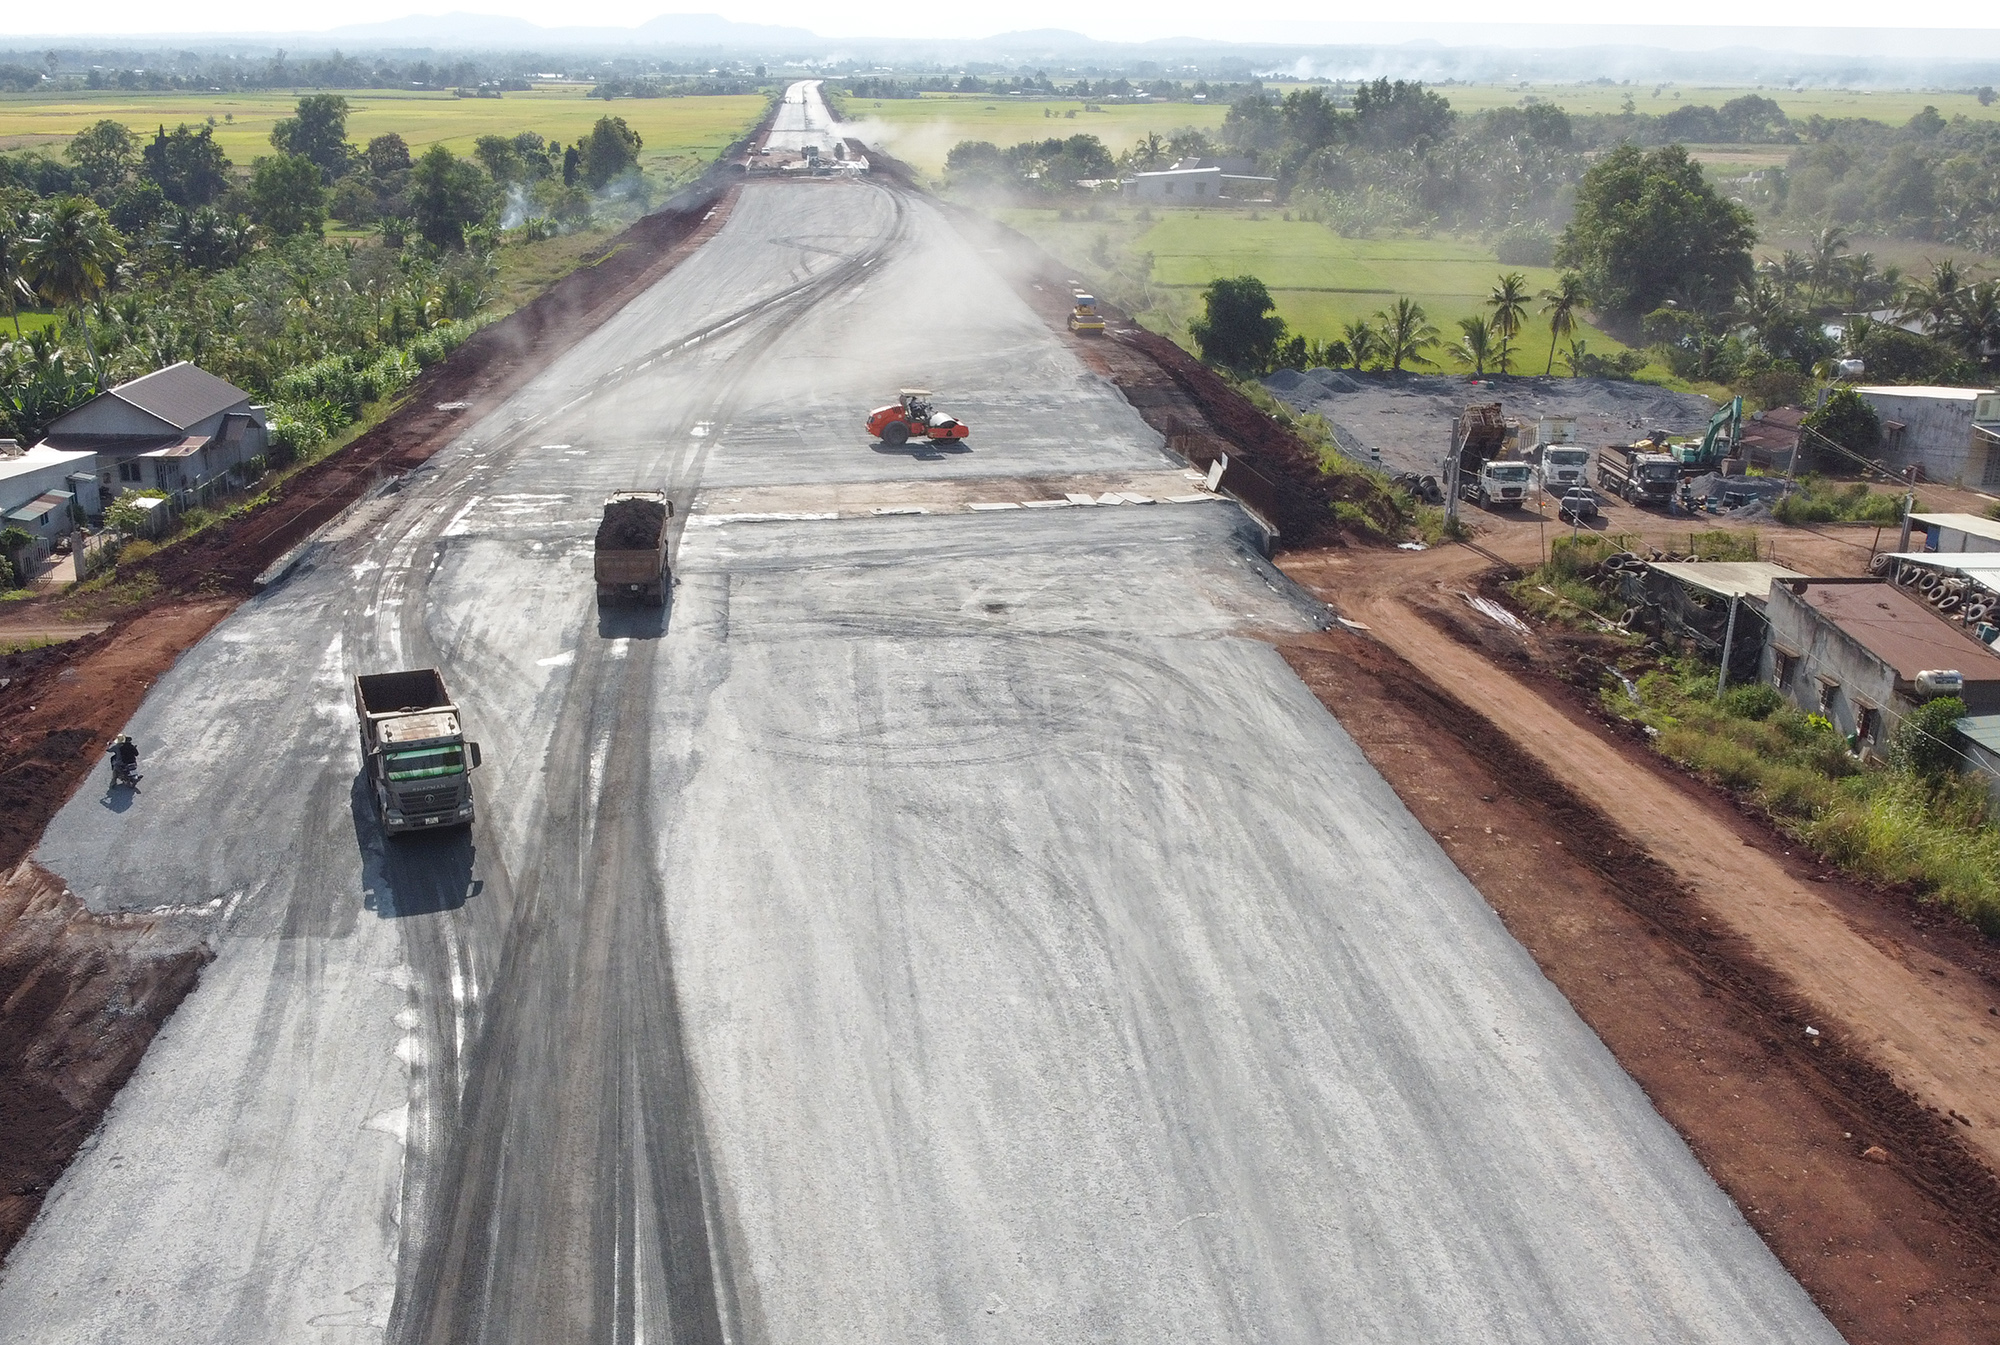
895	434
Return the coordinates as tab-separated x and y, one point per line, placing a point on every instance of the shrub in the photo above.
1924	745
1755	701
126	516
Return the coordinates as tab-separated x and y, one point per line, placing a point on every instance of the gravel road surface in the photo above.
946	927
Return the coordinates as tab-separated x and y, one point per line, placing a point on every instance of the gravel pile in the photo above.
1407	418
631	525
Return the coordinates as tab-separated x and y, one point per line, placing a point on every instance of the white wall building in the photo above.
1200	182
1953	434
36	491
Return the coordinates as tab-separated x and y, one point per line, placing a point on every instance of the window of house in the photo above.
1989	478
131	470
1892	433
1783	665
1827	686
1867	719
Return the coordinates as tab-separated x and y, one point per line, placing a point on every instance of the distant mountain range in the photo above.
1477	53
488	30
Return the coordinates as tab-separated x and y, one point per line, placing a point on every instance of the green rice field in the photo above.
1319	279
921	131
672	128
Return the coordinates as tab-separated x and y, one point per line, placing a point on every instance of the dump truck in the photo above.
1637	473
414	751
1562	466
1485	475
1083	314
631	555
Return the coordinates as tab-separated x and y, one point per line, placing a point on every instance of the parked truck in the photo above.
1637	474
414	751
1563	466
631	559
1485	475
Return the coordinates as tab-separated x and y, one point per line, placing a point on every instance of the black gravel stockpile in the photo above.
631	525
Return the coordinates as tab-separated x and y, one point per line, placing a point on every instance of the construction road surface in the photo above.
937	926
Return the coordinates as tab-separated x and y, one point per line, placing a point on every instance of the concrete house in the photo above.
1952	434
38	489
179	429
1851	650
1201	182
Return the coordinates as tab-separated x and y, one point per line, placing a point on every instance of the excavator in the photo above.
1699	457
913	417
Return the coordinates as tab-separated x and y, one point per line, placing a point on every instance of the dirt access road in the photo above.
932	925
1695	941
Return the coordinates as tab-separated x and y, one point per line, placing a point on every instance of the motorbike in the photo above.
124	773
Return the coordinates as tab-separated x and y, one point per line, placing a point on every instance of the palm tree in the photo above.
72	257
1406	333
1935	298
1475	346
1823	268
1790	271
1561	307
1509	302
1363	342
1974	324
11	279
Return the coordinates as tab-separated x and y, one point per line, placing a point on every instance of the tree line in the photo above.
156	250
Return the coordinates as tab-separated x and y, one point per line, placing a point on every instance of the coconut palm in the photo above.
71	257
1509	302
1560	306
1475	344
11	279
1823	266
1364	343
1974	323
1406	333
1934	298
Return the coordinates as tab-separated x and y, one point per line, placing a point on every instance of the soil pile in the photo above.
1407	418
86	994
631	525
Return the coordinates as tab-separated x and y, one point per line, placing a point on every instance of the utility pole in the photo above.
1728	638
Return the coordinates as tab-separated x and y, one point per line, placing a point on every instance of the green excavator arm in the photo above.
1724	428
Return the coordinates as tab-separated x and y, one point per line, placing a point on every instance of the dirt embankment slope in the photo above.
1695	945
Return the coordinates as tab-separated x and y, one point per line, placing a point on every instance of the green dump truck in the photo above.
414	751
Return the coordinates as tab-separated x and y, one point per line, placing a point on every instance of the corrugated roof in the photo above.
1973	564
1934	394
1728	578
1970	524
1901	631
1982	729
180	394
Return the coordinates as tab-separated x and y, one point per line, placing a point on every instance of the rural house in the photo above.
1851	649
179	429
1201	182
1951	434
42	491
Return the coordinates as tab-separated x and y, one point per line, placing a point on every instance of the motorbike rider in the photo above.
124	757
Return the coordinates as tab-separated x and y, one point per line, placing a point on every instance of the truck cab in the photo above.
1501	483
1563	466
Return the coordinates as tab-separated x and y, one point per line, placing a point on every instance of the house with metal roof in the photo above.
36	490
1201	182
1951	434
1854	649
179	429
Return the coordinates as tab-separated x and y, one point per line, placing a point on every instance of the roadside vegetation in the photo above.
1914	822
152	250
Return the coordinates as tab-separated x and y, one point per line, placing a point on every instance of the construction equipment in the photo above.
914	417
1083	314
1699	457
631	553
1483	476
414	751
1638	473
